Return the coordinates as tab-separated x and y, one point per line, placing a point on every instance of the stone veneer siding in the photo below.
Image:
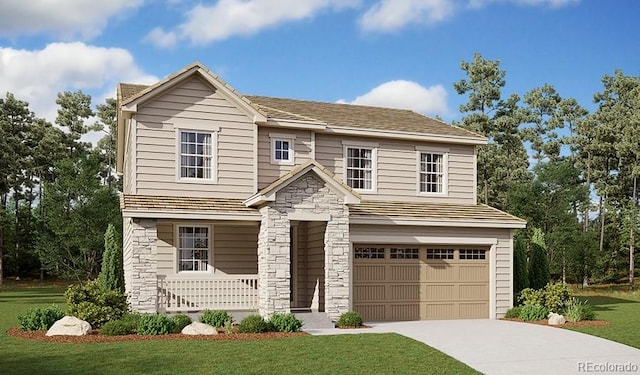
308	195
140	263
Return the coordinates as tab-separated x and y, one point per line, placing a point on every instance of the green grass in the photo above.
344	354
621	308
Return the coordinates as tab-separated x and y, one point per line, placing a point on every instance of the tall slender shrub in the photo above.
520	272
112	274
538	267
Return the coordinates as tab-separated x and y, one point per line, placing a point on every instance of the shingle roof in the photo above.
435	211
340	115
154	203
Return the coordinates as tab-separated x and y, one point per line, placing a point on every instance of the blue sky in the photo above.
402	53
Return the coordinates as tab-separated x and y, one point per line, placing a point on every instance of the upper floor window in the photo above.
432	172
360	167
193	248
282	151
196	155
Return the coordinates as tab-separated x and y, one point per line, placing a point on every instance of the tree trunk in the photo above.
603	212
585	214
17	233
3	206
632	234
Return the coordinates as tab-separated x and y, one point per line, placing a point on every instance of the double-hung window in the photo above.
360	167
193	248
432	172
196	155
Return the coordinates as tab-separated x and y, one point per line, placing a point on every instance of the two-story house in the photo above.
266	204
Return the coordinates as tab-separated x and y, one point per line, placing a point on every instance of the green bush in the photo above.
350	319
533	312
40	318
89	302
285	322
154	324
253	324
556	296
180	321
538	266
520	272
531	296
127	325
215	318
513	312
576	310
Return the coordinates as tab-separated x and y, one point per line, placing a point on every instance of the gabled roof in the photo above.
268	194
436	214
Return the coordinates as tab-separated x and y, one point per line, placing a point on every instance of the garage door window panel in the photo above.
368	253
440	254
404	253
472	254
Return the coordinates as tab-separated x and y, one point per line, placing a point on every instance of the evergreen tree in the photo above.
520	272
538	263
112	274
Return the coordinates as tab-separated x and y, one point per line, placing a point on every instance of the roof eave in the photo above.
407	135
439	222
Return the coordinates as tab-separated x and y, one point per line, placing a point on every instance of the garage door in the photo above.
420	282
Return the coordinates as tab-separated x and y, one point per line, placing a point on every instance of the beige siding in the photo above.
193	104
309	264
397	168
503	253
269	172
129	167
234	251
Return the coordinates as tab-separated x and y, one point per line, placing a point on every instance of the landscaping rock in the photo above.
556	319
69	326
197	328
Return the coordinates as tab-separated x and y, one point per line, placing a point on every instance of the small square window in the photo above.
403	253
368	253
440	254
472	254
282	151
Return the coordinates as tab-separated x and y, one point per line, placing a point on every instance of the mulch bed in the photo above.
582	323
94	336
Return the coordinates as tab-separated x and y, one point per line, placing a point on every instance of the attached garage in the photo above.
405	282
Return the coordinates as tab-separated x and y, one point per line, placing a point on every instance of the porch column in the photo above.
274	259
140	263
337	250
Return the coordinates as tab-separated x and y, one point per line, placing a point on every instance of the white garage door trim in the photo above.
419	240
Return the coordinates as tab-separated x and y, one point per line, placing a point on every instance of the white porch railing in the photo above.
232	292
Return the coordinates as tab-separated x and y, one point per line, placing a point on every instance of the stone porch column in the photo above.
274	259
140	263
337	253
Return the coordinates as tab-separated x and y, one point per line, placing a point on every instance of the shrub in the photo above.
89	302
215	318
533	312
127	325
538	267
285	322
576	310
531	296
253	324
180	321
350	319
520	274
111	275
513	312
40	318
556	296
154	324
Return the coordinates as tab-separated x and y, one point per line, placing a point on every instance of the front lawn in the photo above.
344	354
620	308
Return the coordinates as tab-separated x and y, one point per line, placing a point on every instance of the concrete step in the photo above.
314	320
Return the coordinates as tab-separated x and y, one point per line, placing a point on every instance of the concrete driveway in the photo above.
503	347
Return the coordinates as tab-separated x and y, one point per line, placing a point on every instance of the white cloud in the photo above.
66	18
403	94
226	18
37	76
550	3
391	15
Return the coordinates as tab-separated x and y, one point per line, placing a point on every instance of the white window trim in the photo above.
445	173
176	237
214	154
374	164
291	138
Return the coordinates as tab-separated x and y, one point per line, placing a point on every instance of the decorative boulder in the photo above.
197	328
556	319
69	326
